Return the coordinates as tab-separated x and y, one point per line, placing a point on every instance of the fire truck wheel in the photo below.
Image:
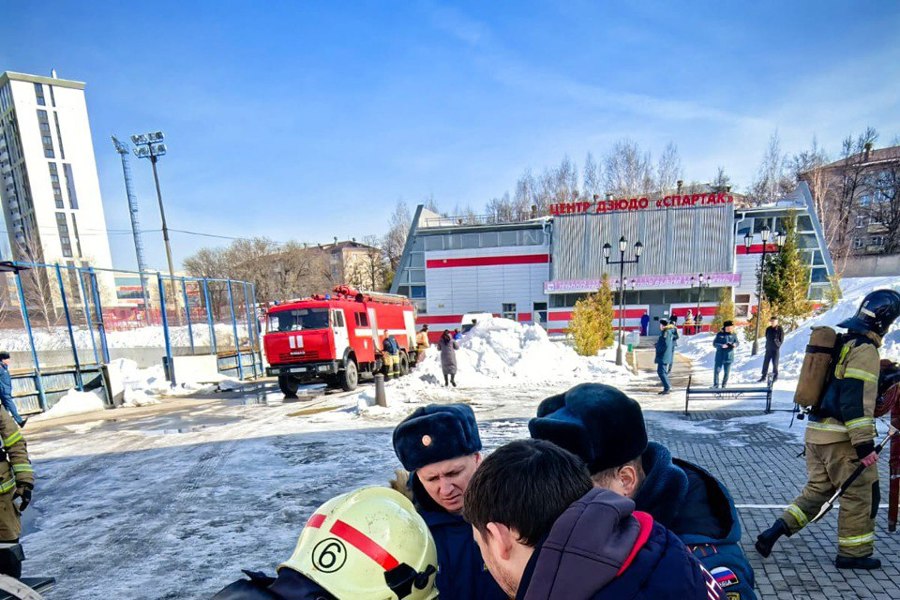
404	364
288	386
349	376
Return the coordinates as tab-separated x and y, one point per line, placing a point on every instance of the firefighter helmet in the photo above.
370	543
876	313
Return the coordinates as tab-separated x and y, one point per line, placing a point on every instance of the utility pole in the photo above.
122	149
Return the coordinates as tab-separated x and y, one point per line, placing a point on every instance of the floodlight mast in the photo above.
150	146
122	149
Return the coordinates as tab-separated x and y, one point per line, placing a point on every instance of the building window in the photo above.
877	240
857	243
54	182
77	237
70	186
509	311
39	94
417	292
52	96
46	139
62	152
64	240
861	221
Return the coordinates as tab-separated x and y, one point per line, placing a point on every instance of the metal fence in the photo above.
61	323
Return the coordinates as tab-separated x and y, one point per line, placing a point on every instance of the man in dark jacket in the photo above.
673	325
605	428
725	342
665	354
572	541
439	445
774	339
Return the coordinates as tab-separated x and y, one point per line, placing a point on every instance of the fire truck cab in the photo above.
337	337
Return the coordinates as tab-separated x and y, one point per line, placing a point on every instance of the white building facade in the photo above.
49	187
535	271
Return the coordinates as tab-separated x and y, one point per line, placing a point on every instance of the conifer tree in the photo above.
584	327
786	284
765	311
725	309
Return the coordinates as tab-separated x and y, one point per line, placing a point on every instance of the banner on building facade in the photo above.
637	204
642	282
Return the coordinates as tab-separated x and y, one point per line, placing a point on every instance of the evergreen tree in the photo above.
725	309
786	284
605	313
584	327
833	294
765	311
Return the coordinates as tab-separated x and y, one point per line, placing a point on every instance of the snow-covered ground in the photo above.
170	501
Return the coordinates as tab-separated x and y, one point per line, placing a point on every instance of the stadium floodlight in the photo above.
149	145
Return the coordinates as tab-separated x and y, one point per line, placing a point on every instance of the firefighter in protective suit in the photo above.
840	435
16	483
370	543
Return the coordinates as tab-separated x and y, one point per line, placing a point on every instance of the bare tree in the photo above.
882	207
627	170
668	169
591	180
772	178
722	181
368	271
395	238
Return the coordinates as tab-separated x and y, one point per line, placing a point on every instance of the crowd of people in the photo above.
725	342
588	507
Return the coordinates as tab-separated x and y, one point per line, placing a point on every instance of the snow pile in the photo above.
74	403
700	350
496	353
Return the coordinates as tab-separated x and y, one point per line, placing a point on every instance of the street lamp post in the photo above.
748	242
623	245
701	283
150	145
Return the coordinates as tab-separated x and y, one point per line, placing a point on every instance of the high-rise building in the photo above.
48	176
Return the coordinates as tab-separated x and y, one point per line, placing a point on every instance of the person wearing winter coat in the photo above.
390	355
6	396
422	344
448	347
606	429
440	447
673	325
665	354
16	483
645	324
573	541
774	339
725	342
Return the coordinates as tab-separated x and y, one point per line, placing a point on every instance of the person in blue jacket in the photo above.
439	445
6	396
665	354
605	428
572	541
725	342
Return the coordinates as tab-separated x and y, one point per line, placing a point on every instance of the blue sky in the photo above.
308	120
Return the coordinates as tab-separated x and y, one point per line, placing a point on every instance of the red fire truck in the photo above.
336	337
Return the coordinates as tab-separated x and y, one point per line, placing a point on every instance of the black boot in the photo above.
863	562
766	540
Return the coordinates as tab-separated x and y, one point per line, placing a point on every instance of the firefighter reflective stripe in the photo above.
826	427
857	540
802	519
23	468
861	375
14	438
7	486
861	422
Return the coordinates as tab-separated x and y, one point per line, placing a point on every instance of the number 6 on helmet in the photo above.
370	543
